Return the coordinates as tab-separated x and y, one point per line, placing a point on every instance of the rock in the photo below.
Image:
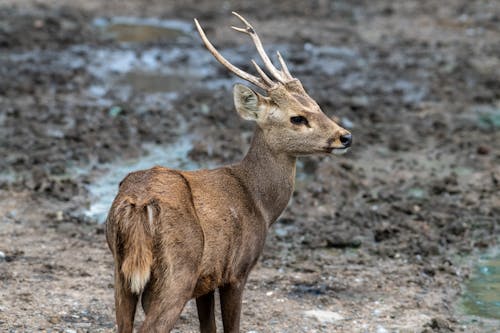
457	228
11	215
381	329
347	123
115	111
324	316
385	232
358	102
54	320
429	271
438	325
483	150
281	232
2	256
340	241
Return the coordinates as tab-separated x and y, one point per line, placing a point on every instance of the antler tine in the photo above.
263	74
244	75
284	66
249	30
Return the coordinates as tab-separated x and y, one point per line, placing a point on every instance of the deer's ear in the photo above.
247	102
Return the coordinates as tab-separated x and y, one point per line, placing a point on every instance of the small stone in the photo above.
359	101
439	324
483	150
54	320
430	271
347	123
11	215
281	232
342	241
381	329
324	316
114	111
2	256
204	109
38	24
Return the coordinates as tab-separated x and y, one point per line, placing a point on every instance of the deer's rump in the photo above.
152	225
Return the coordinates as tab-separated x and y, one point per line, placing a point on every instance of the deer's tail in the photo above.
134	242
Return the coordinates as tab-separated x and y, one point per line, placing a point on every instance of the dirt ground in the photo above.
380	240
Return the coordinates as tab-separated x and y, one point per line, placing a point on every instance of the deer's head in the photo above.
292	122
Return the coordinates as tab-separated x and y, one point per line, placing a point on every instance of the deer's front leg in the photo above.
230	299
206	313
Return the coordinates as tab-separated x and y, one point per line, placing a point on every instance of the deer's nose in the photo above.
346	139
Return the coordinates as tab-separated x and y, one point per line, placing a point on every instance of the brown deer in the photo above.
177	235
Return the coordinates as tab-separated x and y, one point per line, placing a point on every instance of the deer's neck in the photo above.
268	176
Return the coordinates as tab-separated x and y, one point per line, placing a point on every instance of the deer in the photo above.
177	235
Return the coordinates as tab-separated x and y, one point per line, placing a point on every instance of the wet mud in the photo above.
382	239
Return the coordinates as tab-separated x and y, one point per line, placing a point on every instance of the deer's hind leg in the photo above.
125	304
178	254
165	297
164	309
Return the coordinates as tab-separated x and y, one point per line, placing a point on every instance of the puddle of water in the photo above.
141	33
482	295
104	188
140	30
151	71
153	82
119	71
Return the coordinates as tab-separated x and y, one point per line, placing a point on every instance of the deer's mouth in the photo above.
339	151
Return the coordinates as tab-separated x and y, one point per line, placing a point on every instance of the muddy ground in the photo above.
382	238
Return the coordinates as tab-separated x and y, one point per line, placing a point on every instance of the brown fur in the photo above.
177	235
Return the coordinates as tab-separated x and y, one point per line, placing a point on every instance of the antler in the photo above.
282	76
264	81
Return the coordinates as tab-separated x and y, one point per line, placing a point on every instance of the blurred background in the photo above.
399	235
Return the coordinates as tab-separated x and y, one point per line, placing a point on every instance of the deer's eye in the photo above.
299	120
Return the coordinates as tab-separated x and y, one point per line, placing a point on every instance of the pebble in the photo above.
2	256
347	123
483	150
12	215
324	316
115	111
381	329
360	101
204	109
281	232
